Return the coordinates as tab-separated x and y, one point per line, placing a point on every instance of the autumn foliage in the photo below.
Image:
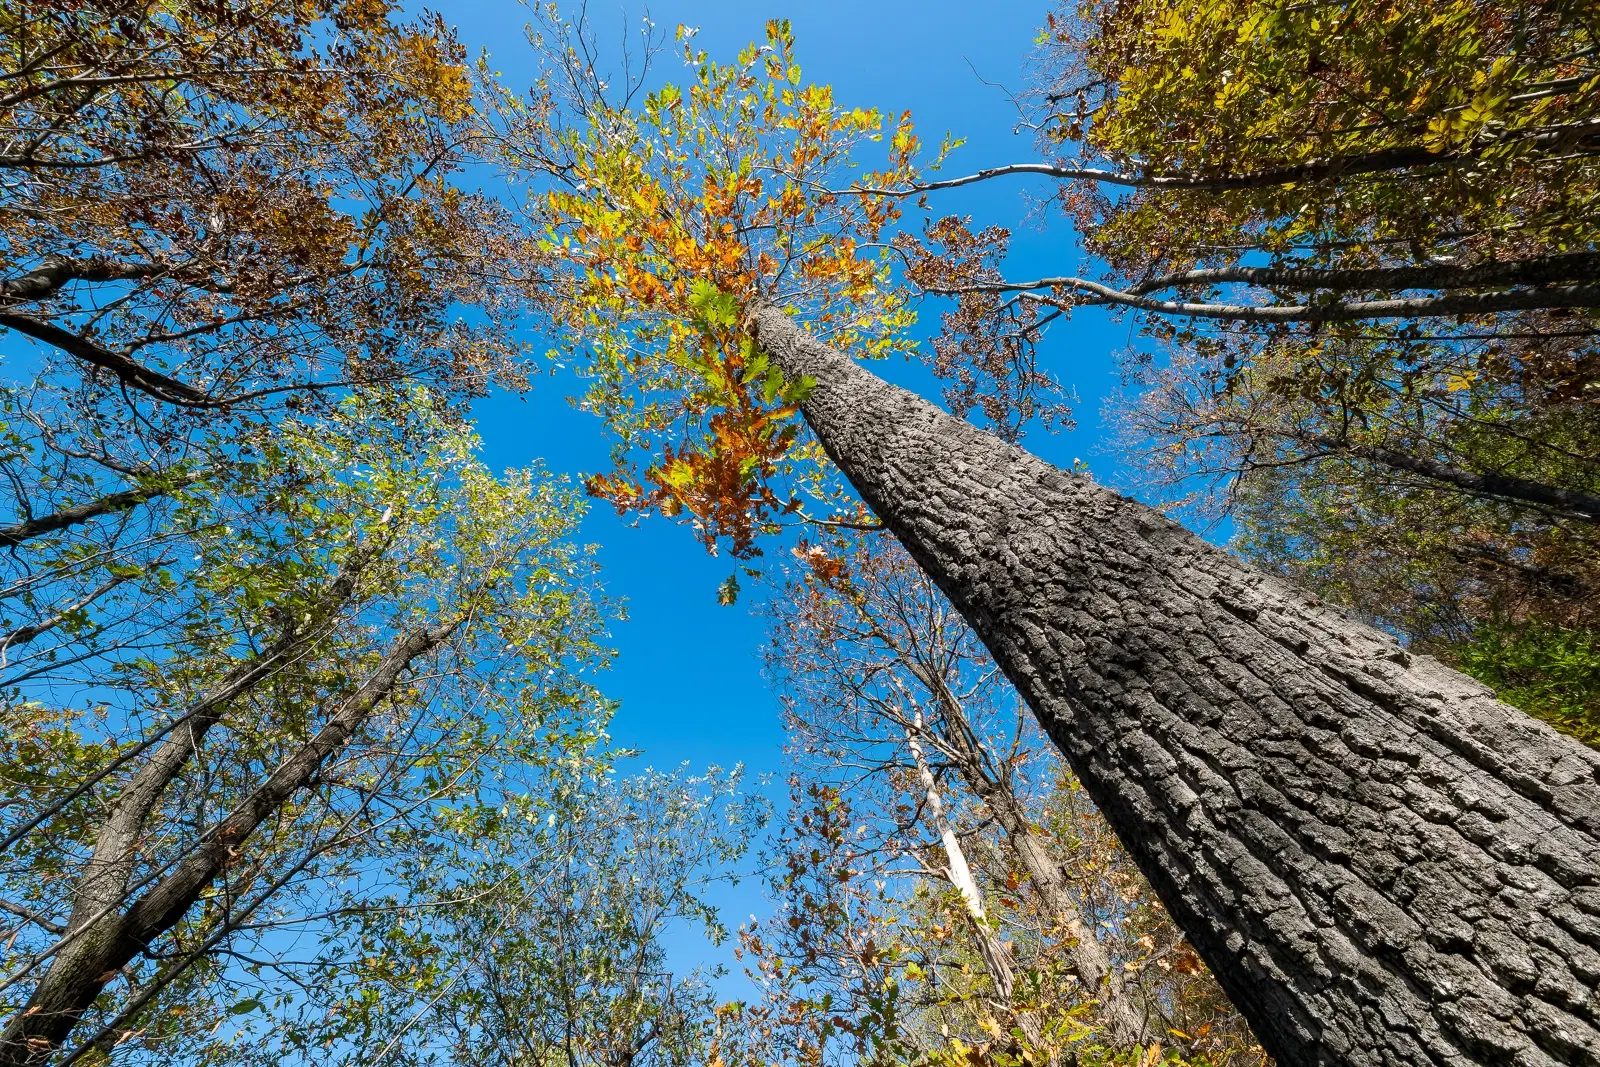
672	218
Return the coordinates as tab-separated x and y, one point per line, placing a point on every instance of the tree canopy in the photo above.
221	206
304	746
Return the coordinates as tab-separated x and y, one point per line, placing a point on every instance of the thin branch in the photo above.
1405	157
63	994
29	915
1572	502
1565	296
17	533
241	679
841	524
24	634
151	383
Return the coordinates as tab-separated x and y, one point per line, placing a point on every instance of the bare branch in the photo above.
1563	296
75	979
1407	157
29	915
15	534
23	634
206	711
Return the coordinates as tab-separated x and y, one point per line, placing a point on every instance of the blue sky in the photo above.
688	676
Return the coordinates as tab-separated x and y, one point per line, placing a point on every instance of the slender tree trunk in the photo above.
959	874
1127	1023
1380	862
1125	1020
1570	502
996	957
102	937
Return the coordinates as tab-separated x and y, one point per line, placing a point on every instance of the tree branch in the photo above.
1406	157
29	915
1545	270
75	980
23	634
1580	505
1564	296
151	383
15	534
206	711
54	271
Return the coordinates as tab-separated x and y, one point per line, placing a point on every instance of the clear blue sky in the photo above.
688	676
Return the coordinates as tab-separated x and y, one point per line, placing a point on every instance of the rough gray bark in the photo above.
1380	862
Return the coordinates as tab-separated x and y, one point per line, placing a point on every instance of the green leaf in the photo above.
796	392
755	367
772	385
711	306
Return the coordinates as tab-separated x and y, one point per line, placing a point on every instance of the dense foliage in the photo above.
251	615
268	626
1433	468
218	206
669	215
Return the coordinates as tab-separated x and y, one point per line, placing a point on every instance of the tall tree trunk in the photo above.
1380	862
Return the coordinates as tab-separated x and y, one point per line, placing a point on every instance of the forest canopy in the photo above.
1265	733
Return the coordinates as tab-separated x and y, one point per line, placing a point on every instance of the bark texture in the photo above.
1381	863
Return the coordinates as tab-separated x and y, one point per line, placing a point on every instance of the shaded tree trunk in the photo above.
1380	862
1571	503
